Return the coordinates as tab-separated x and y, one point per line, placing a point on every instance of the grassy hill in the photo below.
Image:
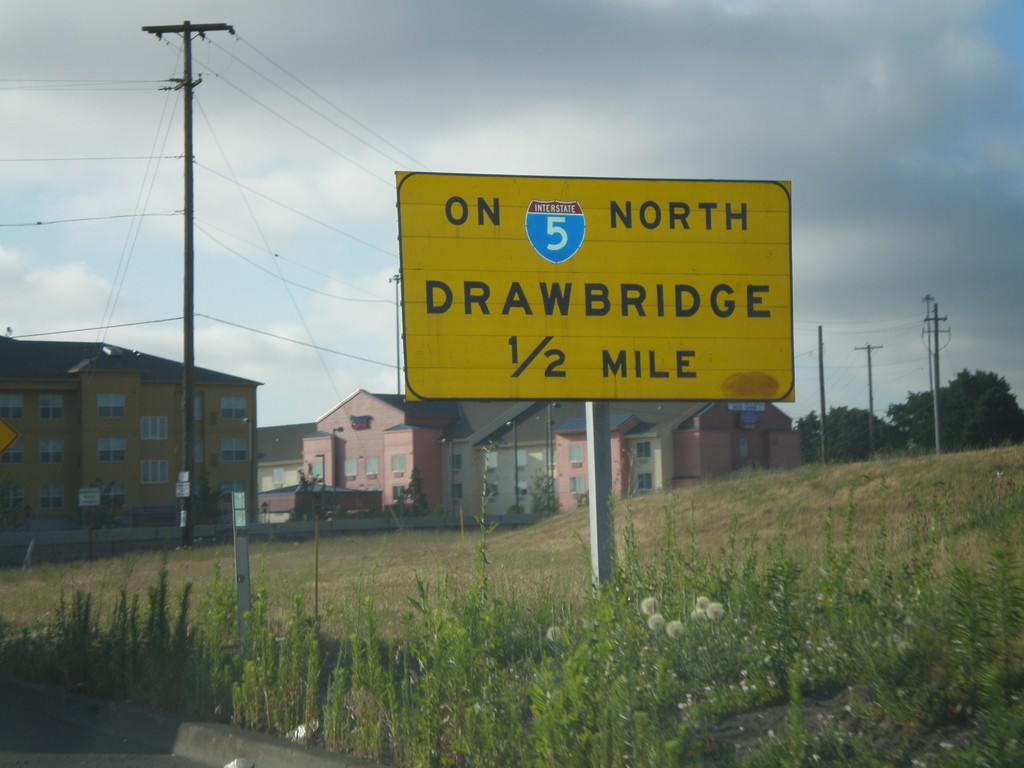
967	502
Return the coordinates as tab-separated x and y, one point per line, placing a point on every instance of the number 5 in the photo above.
556	227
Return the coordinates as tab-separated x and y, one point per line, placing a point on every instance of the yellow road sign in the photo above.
7	435
546	288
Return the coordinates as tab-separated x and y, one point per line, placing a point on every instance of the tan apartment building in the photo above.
91	414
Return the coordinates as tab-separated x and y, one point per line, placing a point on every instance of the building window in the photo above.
351	468
456	462
228	488
491	461
12	406
372	466
576	454
115	494
277	477
51	496
744	448
111	448
492	489
153	428
154	471
577	484
645	481
643	449
234	449
456	491
521	457
15	453
197	408
232	407
523	489
398	463
51	451
51	406
13	496
110	406
397	492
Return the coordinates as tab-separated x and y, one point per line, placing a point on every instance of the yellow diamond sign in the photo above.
544	288
7	435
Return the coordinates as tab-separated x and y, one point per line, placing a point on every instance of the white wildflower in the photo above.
674	628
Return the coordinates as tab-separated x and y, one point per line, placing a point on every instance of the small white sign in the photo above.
182	489
88	497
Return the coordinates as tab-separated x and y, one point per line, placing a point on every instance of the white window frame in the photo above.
110	405
233	407
51	407
111	449
153	471
51	451
153	427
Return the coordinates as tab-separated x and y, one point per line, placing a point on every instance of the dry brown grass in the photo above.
945	497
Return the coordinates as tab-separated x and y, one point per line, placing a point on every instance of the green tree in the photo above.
305	495
977	410
414	500
206	501
913	422
809	429
543	500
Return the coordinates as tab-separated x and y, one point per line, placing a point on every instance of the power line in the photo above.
295	341
83	159
88	218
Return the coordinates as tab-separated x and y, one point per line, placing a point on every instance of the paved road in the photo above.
40	728
43	726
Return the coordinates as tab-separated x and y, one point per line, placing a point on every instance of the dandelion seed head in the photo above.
656	622
703	602
649	606
674	628
554	634
698	615
715	610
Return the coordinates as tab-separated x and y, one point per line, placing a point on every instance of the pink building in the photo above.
509	456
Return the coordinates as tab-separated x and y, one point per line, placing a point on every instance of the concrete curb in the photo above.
217	745
147	731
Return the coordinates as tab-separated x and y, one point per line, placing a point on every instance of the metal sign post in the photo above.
242	582
599	469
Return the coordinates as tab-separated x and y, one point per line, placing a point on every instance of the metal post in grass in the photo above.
243	591
599	470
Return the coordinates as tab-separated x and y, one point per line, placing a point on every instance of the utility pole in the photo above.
186	84
871	399
821	387
928	299
935	320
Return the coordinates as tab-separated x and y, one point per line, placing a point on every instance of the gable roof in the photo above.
67	360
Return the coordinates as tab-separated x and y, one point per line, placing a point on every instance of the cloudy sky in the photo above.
899	122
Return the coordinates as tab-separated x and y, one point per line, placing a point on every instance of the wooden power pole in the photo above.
871	400
186	84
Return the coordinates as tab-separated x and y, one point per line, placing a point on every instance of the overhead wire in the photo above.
338	109
141	204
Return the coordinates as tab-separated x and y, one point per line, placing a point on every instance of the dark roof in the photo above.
56	360
283	443
424	409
